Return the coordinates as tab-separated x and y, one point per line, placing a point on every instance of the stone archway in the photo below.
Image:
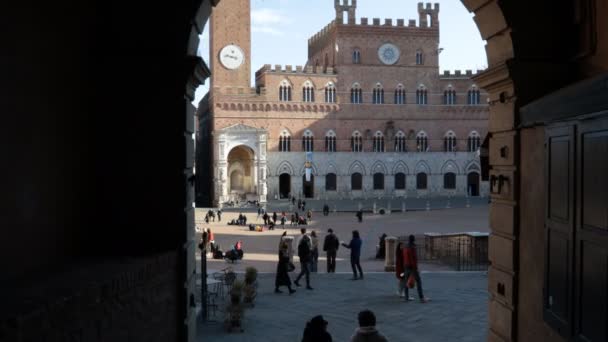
473	184
241	170
284	185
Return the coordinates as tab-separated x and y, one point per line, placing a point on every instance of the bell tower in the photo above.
230	40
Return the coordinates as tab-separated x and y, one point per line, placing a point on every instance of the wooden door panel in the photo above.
593	279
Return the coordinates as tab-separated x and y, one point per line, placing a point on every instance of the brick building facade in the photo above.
369	113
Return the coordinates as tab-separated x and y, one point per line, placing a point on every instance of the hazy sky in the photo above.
281	28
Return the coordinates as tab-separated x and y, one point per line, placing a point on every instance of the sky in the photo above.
280	30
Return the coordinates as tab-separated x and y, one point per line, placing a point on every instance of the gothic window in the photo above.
330	93
449	96
421	180
378	94
419	58
378	145
356	94
422	142
356	181
356	142
284	142
473	142
285	91
400	95
449	180
421	95
330	142
400	181
378	181
473	96
449	142
308	141
308	92
400	142
331	183
356	56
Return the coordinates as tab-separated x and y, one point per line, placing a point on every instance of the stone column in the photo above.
389	261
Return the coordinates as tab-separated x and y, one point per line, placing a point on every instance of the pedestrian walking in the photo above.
355	254
399	270
283	222
367	331
207	218
330	246
304	253
219	215
410	266
309	215
293	219
360	215
315	251
274	217
259	211
316	330
325	210
265	218
282	277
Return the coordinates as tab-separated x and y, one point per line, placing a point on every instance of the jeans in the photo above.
355	264
416	274
304	271
331	261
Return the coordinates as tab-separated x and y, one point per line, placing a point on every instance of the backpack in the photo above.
303	247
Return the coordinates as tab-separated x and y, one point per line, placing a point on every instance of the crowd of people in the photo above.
316	329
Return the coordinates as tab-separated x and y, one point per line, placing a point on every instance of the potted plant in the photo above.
234	311
251	285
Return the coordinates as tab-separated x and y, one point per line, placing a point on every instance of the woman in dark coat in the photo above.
316	330
355	254
282	278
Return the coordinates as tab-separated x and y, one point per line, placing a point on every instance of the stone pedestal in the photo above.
389	261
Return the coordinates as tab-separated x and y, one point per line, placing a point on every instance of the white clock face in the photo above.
232	57
389	54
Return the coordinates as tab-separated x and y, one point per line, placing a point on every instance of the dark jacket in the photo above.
331	243
355	248
282	278
410	257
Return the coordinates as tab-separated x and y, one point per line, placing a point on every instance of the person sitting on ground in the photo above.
367	331
316	330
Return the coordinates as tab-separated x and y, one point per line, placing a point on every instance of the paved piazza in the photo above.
260	248
457	311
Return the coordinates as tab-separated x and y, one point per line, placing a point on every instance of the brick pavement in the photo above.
457	311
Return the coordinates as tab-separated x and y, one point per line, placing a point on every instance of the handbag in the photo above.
291	267
411	281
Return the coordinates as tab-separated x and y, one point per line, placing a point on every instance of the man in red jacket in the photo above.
410	266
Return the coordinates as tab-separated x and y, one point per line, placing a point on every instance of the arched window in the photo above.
356	181
331	183
330	93
356	56
330	141
422	142
378	181
400	181
285	141
378	142
285	91
419	57
449	96
308	141
473	142
356	94
356	142
473	96
400	142
400	94
308	92
421	95
449	180
449	142
421	181
378	94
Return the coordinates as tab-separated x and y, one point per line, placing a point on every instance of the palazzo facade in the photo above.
369	113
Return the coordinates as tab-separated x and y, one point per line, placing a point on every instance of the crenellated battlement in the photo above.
298	69
460	73
322	34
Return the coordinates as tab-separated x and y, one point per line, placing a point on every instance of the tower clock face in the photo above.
389	54
232	57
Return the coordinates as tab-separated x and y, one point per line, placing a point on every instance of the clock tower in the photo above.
230	39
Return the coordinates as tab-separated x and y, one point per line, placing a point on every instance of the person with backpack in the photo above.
304	253
355	254
410	266
330	246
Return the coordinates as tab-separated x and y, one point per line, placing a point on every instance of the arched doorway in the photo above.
284	185
308	188
242	179
473	184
